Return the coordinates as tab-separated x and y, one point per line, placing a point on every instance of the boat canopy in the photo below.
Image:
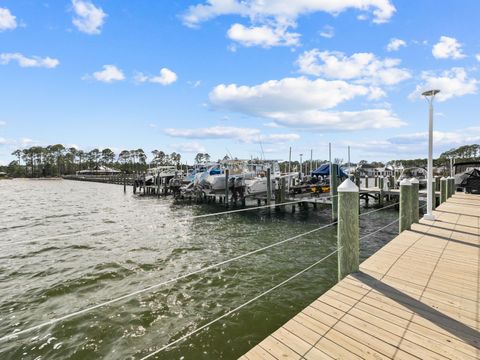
324	170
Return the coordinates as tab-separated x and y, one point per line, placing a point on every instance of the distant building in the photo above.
371	171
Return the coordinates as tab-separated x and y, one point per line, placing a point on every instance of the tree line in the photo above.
58	160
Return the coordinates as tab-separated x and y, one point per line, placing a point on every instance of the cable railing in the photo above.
186	336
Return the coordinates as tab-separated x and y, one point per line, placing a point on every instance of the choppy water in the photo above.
52	277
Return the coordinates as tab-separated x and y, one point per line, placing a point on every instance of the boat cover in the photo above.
324	170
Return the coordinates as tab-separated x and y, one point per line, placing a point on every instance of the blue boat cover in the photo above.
324	170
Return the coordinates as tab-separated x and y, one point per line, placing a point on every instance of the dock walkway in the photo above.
416	298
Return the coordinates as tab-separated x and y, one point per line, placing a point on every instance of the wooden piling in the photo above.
376	181
124	184
443	190
227	172
451	182
380	194
414	199
333	190
348	229
405	205
269	187
434	193
366	181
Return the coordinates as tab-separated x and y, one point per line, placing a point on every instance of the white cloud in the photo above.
264	36
339	120
285	95
3	123
245	135
362	67
327	32
7	20
451	83
382	10
166	77
89	18
301	103
215	132
447	48
24	61
271	19
395	44
477	56
189	147
109	74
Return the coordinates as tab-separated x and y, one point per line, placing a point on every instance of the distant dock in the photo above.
416	298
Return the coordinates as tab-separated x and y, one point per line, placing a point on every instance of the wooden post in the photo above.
348	229
158	181
405	205
283	190
366	181
449	187
437	183
227	171
124	184
333	190
443	190
415	205
357	181
451	181
380	194
434	193
376	181
269	187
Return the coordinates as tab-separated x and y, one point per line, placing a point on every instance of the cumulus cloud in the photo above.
33	61
166	77
339	120
362	67
109	74
395	44
271	19
89	18
285	95
451	83
447	48
302	103
264	36
477	56
246	135
3	123
7	20
382	10
189	147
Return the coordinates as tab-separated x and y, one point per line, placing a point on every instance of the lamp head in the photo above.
430	92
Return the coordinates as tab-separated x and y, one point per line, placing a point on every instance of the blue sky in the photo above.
228	76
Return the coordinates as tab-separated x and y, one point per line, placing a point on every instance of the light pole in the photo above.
429	96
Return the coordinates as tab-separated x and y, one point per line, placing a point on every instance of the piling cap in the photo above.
405	182
347	186
443	178
414	181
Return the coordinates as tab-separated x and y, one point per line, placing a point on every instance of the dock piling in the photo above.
414	198
269	187
434	193
333	190
405	205
348	229
443	190
227	172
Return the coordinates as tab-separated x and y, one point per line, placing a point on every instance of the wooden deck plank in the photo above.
418	297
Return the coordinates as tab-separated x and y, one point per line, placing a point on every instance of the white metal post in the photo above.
429	215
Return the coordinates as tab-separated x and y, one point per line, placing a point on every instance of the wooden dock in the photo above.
416	298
